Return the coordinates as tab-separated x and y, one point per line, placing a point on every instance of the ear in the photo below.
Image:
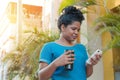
62	27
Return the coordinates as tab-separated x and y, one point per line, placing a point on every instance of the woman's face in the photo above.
70	32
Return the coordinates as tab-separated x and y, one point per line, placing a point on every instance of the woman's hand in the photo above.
64	59
94	60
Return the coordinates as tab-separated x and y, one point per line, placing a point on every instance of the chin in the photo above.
73	40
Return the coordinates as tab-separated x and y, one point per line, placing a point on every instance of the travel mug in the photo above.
69	66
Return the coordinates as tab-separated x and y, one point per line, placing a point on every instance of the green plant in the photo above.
24	60
78	3
110	22
65	3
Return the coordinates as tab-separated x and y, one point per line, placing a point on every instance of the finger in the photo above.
67	52
98	57
71	56
71	59
93	61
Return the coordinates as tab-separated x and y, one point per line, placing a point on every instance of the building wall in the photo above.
54	15
108	56
113	3
50	14
108	59
97	42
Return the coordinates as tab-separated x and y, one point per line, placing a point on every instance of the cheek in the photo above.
69	30
69	33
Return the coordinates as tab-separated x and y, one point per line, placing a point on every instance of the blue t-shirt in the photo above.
52	50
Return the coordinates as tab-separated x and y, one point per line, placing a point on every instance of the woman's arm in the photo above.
46	70
89	70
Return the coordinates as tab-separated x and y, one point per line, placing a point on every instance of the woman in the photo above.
54	58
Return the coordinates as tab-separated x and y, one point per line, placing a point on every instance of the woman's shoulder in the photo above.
49	43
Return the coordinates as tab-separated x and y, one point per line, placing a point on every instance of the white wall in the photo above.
54	15
92	42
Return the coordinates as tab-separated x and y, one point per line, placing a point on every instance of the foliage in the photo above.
65	3
110	23
24	61
80	3
86	3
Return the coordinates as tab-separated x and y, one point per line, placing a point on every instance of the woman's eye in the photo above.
73	29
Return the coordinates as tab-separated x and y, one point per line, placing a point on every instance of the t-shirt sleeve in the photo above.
46	54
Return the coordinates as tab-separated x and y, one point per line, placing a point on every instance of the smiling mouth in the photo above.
74	37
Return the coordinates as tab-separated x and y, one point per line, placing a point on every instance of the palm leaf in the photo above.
115	42
86	3
110	19
80	3
65	3
110	23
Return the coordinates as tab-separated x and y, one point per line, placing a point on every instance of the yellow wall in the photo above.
112	3
107	59
117	2
116	59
